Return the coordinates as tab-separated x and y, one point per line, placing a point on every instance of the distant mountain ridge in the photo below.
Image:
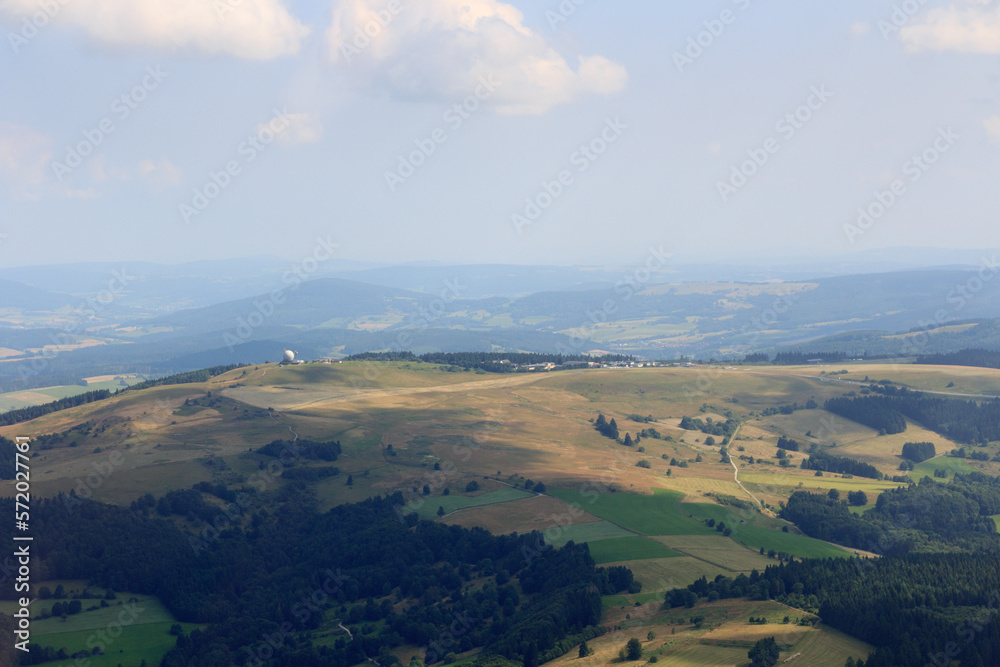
332	316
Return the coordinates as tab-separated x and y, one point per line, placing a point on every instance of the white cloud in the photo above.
89	193
860	29
441	49
252	29
24	157
302	128
967	26
992	125
161	172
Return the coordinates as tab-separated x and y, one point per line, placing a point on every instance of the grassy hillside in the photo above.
424	429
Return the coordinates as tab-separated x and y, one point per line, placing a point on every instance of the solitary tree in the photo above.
764	653
631	651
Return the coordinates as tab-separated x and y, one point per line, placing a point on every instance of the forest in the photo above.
819	460
710	426
928	516
932	595
277	567
36	411
964	421
968	357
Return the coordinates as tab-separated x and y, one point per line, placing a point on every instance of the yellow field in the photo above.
521	516
723	640
966	379
106	378
718	551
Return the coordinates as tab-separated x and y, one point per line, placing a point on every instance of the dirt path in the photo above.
736	471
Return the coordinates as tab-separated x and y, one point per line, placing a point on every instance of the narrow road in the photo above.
736	470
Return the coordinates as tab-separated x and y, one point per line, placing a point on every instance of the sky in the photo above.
480	131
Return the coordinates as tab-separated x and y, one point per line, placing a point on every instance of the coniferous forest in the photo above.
964	421
284	572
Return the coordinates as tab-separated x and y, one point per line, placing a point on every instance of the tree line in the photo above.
486	361
927	516
202	375
820	460
966	357
964	421
34	412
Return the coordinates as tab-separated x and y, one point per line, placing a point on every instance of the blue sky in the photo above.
248	127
